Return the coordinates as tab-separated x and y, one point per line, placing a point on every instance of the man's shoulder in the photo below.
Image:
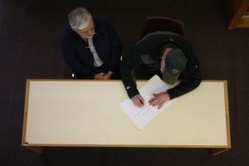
162	37
102	25
161	34
69	36
100	21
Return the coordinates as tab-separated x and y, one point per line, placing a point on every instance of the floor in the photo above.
30	32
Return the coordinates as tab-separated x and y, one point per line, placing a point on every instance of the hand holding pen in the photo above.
138	100
158	99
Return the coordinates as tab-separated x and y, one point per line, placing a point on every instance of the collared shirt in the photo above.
97	61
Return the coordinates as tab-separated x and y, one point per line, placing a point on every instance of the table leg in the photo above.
37	149
217	151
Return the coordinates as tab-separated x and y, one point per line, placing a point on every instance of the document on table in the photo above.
142	116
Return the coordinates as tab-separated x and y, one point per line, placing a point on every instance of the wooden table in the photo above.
76	113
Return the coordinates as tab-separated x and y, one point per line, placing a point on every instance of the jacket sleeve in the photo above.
132	61
116	49
129	63
191	74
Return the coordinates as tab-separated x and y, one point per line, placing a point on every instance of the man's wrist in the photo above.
168	94
110	73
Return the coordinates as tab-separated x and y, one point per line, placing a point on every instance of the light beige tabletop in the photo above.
88	113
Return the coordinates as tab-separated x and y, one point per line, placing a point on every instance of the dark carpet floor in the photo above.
30	32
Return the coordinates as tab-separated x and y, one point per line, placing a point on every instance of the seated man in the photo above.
91	47
167	55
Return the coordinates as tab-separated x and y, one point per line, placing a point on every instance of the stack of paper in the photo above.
141	116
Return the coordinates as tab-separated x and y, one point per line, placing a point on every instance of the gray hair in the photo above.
78	18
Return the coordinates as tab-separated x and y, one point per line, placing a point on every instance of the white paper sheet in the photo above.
142	116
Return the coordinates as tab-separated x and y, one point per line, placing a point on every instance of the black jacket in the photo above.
78	56
147	52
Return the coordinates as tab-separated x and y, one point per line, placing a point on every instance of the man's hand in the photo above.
138	100
100	76
104	76
159	99
108	75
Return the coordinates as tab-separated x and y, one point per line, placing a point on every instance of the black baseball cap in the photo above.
175	63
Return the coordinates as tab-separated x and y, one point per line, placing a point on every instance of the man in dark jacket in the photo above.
167	55
91	47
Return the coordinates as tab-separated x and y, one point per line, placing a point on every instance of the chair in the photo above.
161	23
